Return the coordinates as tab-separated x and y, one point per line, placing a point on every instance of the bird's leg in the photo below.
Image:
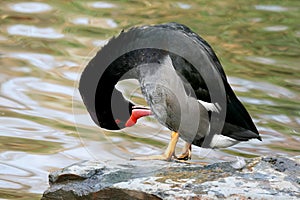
167	155
187	155
186	152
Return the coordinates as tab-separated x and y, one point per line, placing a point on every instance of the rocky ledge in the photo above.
260	178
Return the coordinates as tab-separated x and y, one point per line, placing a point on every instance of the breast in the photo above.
172	107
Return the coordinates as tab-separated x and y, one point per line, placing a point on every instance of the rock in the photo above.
261	178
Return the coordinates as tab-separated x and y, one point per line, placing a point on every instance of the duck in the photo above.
183	83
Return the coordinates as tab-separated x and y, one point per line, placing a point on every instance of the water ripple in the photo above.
41	61
273	8
7	169
262	60
30	7
276	28
23	128
270	89
14	85
11	103
8	184
184	6
100	4
25	86
32	31
279	118
256	101
96	22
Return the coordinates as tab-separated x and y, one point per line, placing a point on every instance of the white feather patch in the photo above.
214	107
221	141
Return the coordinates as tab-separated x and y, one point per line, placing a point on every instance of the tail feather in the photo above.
239	121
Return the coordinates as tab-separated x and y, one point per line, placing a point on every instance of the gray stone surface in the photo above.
261	178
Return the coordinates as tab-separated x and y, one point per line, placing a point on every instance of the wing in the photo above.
107	105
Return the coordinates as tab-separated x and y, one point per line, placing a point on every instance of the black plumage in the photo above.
104	99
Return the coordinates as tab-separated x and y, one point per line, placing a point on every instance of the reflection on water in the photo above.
274	8
44	46
32	31
101	5
30	7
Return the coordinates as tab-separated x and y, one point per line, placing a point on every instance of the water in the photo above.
46	44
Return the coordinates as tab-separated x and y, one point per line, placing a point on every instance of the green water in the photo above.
44	46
